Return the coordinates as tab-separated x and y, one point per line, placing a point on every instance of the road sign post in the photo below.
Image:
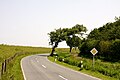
93	51
93	62
55	58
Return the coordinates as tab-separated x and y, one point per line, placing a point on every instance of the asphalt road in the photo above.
38	67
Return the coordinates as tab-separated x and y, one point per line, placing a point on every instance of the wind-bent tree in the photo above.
64	34
56	37
73	41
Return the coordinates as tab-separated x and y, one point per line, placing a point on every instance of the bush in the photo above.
87	46
107	50
73	62
66	60
104	50
60	58
115	50
87	65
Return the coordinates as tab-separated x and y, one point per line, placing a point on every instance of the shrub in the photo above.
87	46
60	58
115	50
107	50
104	49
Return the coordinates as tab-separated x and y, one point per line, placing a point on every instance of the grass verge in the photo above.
92	73
14	71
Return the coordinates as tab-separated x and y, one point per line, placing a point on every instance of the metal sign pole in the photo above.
93	51
93	62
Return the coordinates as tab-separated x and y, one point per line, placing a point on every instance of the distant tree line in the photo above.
105	39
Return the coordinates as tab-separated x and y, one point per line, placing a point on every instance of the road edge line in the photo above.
74	70
22	70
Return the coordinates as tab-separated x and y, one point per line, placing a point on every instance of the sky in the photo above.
28	22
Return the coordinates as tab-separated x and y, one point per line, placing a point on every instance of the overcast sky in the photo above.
27	22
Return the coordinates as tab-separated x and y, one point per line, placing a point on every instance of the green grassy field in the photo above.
7	51
13	71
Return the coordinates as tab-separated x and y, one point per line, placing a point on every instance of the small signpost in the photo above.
94	51
55	58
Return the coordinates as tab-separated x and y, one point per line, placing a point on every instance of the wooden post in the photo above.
5	66
2	71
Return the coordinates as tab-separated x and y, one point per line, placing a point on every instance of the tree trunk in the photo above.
53	49
70	49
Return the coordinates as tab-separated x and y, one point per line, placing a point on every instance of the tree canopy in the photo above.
109	31
73	41
106	40
65	34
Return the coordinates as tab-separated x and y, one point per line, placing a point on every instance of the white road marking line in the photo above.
23	70
62	77
44	66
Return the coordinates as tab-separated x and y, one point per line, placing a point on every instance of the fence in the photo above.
7	61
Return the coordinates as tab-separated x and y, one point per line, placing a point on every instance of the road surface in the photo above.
38	67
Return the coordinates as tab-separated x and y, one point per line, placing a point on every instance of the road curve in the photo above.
38	67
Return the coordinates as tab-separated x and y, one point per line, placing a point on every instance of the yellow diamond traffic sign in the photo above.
94	51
